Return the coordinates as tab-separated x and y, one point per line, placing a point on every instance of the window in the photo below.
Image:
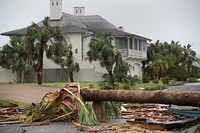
144	46
135	44
57	3
80	10
52	3
133	68
131	43
121	43
140	45
76	11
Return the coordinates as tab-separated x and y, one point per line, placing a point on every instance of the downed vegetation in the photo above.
67	104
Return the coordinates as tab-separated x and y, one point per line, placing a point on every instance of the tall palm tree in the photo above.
159	65
188	57
37	39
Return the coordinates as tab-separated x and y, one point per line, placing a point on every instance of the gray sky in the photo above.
163	20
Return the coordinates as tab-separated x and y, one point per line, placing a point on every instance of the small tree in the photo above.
13	56
66	59
102	50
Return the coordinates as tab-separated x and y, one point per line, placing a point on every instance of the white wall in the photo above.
7	76
135	67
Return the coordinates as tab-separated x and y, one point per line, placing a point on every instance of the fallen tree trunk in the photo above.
178	98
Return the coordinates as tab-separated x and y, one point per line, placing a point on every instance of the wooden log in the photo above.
177	98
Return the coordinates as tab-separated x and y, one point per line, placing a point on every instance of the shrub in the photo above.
129	81
156	81
146	79
192	80
106	85
165	80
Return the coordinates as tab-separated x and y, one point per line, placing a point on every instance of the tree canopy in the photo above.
102	50
13	56
40	38
166	58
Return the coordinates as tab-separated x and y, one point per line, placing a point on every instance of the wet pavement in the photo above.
56	127
188	87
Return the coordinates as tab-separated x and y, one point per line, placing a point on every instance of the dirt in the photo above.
24	92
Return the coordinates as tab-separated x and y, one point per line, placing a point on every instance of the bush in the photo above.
146	79
192	80
156	81
106	85
129	81
165	80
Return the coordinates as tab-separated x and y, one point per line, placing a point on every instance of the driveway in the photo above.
26	93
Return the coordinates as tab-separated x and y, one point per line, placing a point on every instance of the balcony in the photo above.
133	53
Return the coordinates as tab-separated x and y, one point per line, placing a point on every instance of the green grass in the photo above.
150	86
82	84
10	102
95	85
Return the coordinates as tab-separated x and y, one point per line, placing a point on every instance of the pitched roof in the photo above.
80	24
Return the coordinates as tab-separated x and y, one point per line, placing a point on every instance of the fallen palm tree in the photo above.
178	98
66	104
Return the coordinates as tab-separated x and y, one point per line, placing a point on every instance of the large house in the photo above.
80	28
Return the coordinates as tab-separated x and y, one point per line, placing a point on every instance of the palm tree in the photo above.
14	57
159	65
67	60
37	39
188	58
101	49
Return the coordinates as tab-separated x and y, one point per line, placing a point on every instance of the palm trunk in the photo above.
178	98
71	76
39	69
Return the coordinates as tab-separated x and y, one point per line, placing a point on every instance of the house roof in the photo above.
81	24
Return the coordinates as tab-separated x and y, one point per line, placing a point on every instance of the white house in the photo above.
80	28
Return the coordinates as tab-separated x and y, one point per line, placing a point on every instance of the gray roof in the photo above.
80	24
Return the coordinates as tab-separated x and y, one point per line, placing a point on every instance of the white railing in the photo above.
133	53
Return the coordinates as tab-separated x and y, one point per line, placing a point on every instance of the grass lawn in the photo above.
11	102
61	85
96	86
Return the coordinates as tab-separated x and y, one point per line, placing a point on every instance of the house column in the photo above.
128	46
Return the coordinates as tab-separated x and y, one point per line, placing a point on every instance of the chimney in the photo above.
121	28
79	11
55	9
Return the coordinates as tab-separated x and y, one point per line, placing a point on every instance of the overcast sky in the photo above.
163	20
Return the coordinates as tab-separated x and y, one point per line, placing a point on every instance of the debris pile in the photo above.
9	114
156	117
66	104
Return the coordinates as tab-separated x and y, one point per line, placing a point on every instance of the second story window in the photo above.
121	43
131	43
140	45
135	44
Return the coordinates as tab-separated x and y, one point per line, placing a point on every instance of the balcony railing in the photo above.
133	53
